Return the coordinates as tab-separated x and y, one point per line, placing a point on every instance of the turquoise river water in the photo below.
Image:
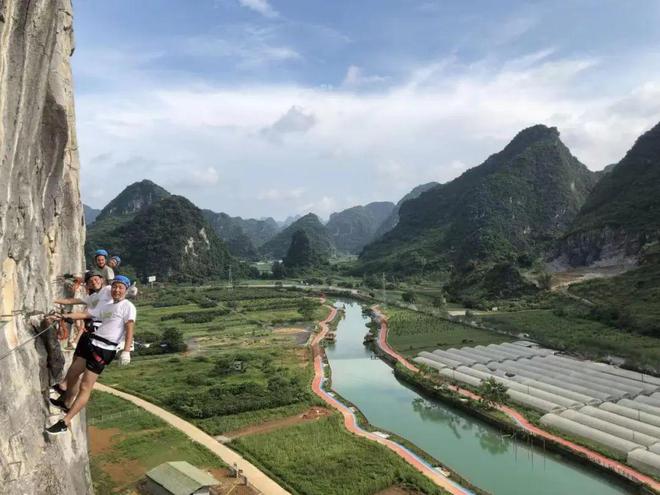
479	452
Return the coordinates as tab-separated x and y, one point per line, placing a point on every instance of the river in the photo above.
477	451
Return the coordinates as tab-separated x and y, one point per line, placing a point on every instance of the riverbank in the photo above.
351	422
465	400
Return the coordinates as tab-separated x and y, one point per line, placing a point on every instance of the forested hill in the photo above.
122	209
622	214
172	240
229	229
317	234
132	199
507	208
90	214
353	228
393	218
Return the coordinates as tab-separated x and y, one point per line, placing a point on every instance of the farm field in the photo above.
411	333
125	442
265	330
587	338
322	458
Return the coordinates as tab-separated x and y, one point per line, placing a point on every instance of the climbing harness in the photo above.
52	325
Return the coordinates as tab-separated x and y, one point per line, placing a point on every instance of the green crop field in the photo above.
126	442
238	328
585	337
411	332
322	458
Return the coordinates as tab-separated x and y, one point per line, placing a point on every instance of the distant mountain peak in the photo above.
133	198
530	136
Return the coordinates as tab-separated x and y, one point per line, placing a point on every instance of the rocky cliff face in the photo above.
41	238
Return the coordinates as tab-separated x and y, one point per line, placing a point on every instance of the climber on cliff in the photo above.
96	350
96	292
100	259
114	262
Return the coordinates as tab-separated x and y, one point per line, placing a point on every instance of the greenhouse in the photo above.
646	461
634	404
651	401
631	424
631	413
454	357
533	402
460	377
440	359
429	362
612	429
613	443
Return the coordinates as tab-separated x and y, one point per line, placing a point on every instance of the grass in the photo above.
141	442
323	458
411	333
587	338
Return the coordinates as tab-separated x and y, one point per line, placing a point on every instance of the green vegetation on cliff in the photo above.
318	236
506	210
355	227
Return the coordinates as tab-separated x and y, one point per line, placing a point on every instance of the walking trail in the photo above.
351	423
255	477
594	457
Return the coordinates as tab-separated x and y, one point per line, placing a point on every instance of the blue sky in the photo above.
275	107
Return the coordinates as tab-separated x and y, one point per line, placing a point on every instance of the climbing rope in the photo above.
52	325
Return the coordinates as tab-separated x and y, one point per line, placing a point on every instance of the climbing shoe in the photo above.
58	389
59	402
58	428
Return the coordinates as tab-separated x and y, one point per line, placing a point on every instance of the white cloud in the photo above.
343	144
274	194
355	76
260	6
252	46
295	120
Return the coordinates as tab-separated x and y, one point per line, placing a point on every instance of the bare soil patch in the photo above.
398	490
312	414
101	440
125	472
229	484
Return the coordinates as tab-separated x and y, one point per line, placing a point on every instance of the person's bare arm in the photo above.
77	315
128	339
68	301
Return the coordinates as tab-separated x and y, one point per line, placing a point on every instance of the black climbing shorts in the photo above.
97	358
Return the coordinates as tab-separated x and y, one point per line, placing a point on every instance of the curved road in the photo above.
594	457
256	478
351	423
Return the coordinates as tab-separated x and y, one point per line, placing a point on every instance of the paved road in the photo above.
256	478
594	457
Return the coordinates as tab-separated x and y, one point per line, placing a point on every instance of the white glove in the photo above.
124	358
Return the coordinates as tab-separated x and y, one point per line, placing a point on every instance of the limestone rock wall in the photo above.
41	238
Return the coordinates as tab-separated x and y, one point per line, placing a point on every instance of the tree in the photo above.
439	301
492	392
409	297
301	255
306	308
278	270
173	339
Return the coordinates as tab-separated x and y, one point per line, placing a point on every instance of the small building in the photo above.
178	478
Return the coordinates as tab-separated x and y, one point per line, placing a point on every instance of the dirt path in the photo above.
351	424
255	477
594	457
312	414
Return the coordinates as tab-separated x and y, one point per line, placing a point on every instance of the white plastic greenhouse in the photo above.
646	461
607	427
617	419
533	402
613	443
631	413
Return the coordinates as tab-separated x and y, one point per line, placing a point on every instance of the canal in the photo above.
479	452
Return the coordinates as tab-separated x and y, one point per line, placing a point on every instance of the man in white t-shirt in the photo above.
97	349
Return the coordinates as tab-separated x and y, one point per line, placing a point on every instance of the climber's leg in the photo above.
86	386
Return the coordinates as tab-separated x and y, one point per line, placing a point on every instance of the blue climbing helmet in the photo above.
100	252
122	280
116	258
